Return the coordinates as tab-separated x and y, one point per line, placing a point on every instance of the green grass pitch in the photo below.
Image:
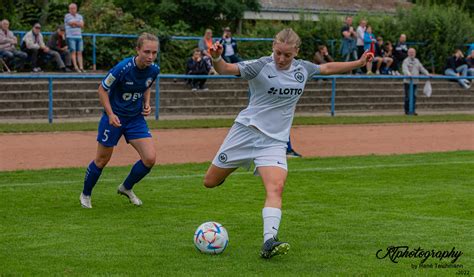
338	212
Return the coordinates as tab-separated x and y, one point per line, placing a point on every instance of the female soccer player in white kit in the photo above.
261	131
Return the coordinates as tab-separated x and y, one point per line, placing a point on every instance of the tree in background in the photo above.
466	5
443	27
198	14
6	8
24	13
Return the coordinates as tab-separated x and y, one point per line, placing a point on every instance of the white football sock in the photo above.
271	222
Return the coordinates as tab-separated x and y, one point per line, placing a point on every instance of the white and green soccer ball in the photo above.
211	238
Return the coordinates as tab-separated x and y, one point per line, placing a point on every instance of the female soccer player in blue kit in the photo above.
261	131
125	95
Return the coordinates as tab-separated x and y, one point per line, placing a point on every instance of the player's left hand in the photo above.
146	110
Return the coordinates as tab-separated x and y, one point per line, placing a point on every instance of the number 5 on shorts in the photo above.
106	136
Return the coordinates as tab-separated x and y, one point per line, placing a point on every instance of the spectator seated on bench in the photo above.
33	44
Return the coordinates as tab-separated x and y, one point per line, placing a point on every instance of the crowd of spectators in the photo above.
64	47
388	59
200	62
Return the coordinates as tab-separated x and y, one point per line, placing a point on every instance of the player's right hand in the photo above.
366	57
114	121
216	50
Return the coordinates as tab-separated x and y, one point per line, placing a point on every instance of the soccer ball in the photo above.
211	238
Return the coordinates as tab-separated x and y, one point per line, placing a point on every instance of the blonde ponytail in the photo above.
288	36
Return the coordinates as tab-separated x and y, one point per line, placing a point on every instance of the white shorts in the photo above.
244	145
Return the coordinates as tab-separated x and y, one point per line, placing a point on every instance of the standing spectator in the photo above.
348	47
381	58
57	42
230	47
197	66
204	44
401	50
74	24
322	56
369	38
360	36
456	66
470	64
8	42
412	67
33	44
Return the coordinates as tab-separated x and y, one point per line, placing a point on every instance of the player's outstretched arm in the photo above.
220	65
342	67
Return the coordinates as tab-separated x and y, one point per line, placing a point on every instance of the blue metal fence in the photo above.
51	77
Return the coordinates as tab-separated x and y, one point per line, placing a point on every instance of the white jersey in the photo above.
273	94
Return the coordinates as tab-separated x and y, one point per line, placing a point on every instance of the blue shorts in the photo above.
132	128
75	44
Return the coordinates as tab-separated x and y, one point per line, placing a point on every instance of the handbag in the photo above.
427	89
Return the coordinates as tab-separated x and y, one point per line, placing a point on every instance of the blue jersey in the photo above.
126	84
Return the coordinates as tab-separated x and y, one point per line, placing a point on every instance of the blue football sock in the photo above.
92	175
139	170
288	144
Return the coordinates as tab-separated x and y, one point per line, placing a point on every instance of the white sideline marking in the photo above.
190	176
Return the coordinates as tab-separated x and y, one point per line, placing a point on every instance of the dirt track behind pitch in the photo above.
77	149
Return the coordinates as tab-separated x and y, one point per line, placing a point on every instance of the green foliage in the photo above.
443	27
6	8
24	13
55	14
173	55
103	16
199	14
311	33
463	4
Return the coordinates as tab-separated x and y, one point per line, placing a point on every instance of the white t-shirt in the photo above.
273	94
229	50
72	32
360	35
